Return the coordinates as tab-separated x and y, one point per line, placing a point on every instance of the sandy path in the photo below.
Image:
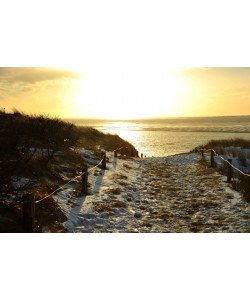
194	198
174	194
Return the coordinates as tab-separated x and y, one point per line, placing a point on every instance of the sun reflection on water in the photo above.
130	131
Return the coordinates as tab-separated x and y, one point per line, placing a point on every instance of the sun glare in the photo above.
117	96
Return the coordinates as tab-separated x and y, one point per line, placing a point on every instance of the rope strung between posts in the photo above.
69	182
58	189
240	171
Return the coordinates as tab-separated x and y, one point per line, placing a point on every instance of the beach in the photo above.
179	193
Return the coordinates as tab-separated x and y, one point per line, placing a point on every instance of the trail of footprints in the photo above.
174	197
191	198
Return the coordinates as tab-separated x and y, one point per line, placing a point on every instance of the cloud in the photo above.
36	89
34	75
215	72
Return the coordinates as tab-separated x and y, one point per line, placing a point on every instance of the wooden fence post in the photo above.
84	180
104	161
28	207
229	170
212	158
202	153
141	155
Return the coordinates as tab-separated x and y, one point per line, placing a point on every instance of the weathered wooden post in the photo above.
229	170
28	206
104	161
202	153
115	153
141	155
84	179
212	158
245	183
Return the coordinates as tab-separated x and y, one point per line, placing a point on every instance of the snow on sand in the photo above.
173	194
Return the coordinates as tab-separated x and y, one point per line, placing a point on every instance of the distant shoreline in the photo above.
154	119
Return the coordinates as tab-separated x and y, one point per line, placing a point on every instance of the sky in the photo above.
125	60
125	94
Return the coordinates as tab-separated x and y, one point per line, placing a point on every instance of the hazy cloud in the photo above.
213	72
36	89
33	75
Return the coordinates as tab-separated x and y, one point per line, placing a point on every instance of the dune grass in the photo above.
237	142
236	148
44	151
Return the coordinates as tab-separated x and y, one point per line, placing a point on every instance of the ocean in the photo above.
163	137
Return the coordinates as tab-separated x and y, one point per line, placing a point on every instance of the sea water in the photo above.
162	137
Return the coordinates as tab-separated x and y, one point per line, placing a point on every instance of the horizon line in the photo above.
157	118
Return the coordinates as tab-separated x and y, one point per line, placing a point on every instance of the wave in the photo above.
237	124
179	129
199	129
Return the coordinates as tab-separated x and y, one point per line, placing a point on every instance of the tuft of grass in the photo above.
218	144
108	206
120	179
127	166
114	191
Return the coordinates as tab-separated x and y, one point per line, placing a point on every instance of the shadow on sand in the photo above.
98	182
114	162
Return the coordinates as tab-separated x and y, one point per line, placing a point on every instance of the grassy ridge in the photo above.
38	154
239	149
237	142
90	137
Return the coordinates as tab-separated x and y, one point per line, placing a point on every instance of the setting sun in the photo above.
128	95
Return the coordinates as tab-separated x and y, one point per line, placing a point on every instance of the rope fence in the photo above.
29	203
86	170
228	161
78	176
29	219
